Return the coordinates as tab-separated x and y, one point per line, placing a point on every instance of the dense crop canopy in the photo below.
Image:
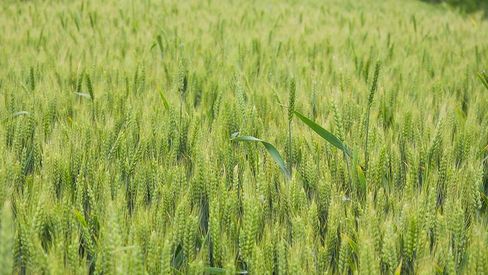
260	137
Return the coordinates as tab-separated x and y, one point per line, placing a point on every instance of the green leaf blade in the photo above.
328	136
164	100
271	150
85	95
484	78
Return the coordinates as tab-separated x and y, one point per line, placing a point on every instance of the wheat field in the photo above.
243	137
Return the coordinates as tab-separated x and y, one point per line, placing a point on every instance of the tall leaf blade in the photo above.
271	150
328	136
89	86
484	78
160	44
164	100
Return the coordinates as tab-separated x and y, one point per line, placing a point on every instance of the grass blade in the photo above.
85	95
164	100
89	86
271	150
328	136
159	40
21	113
484	78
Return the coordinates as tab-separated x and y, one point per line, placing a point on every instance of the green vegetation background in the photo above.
117	119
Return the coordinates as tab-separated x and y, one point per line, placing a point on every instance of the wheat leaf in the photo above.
85	95
484	78
328	136
271	150
164	100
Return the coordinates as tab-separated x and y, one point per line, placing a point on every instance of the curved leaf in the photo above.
21	113
271	150
17	114
164	100
484	78
85	95
328	136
